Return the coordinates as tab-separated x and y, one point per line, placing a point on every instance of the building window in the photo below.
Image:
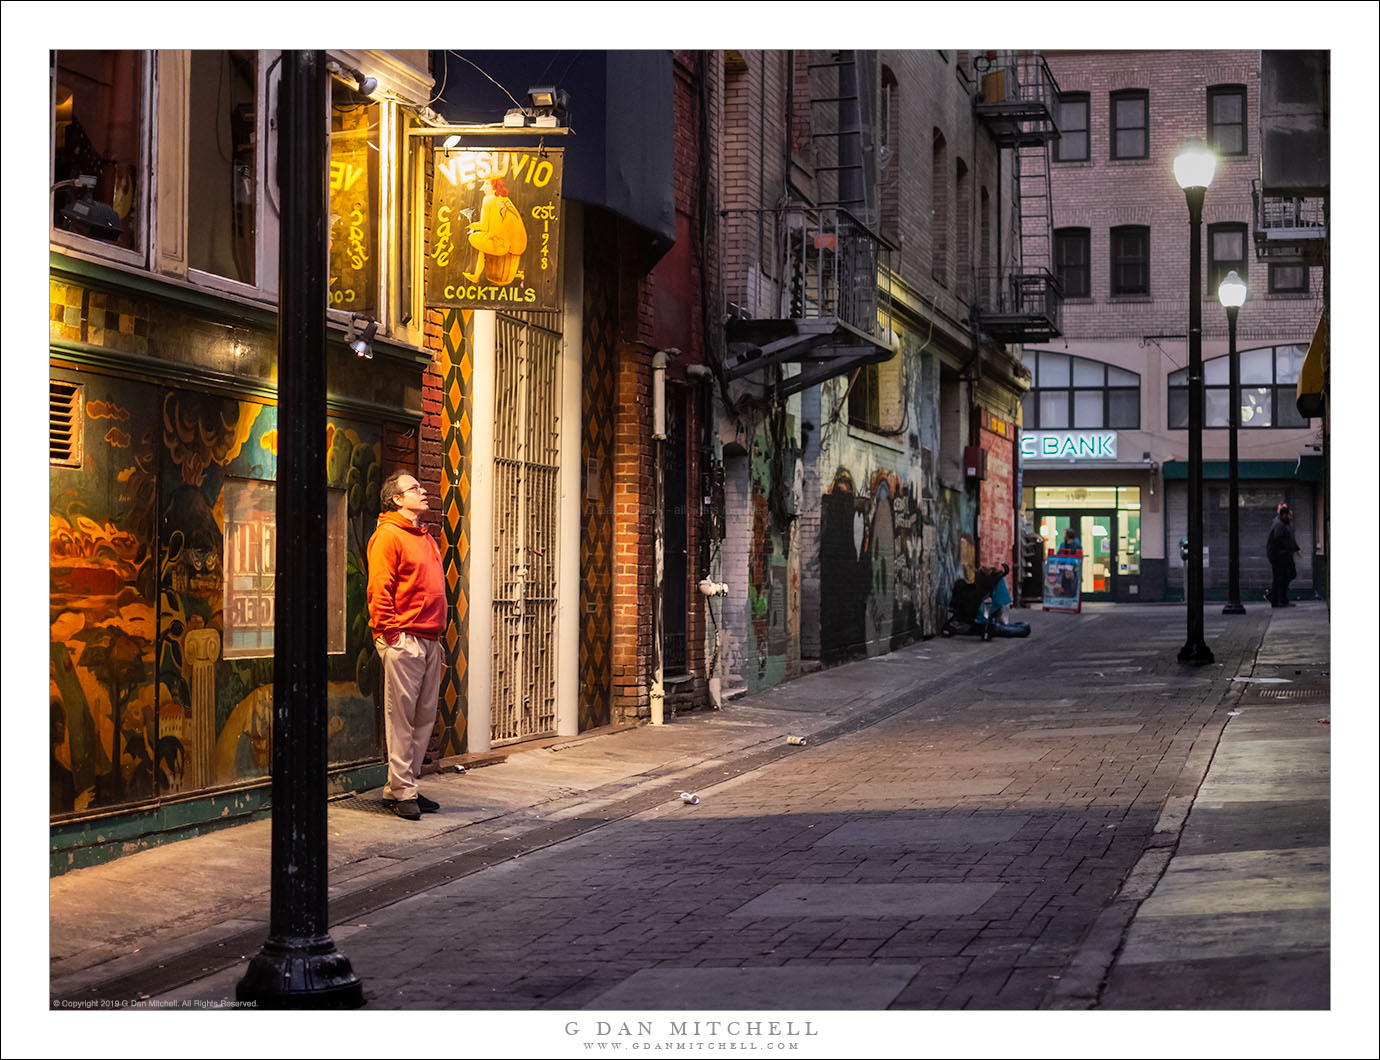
354	202
939	210
888	160
1076	393
1071	256
249	565
1226	119
1130	260
1072	145
1131	124
1269	378
1288	279
100	159
963	212
874	399
223	164
1226	253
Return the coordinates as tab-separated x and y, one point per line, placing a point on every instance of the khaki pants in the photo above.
411	682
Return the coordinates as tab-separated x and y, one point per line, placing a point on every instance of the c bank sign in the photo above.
1068	445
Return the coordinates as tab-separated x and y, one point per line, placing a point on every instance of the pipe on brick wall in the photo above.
659	361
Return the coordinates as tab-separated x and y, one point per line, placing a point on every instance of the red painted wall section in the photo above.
996	532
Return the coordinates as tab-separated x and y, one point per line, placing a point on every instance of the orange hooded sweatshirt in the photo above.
407	591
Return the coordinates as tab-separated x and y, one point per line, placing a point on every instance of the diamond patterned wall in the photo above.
457	402
596	494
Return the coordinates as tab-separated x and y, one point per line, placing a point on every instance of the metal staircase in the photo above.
1035	200
841	131
1018	103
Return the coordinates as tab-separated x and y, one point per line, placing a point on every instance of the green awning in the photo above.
1305	469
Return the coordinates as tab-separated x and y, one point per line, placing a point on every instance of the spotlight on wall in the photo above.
361	334
365	85
549	105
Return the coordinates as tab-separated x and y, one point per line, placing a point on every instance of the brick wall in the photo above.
633	495
1102	193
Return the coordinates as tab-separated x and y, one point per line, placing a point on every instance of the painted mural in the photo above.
760	642
147	698
872	588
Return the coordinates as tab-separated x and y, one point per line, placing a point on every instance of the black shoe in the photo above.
407	809
427	805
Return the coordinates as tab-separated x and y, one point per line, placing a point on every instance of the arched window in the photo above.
1269	375
939	211
963	216
1076	393
888	155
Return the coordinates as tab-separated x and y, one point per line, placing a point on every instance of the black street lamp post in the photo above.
1193	169
299	965
1232	294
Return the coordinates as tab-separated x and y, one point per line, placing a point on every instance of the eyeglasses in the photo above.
409	489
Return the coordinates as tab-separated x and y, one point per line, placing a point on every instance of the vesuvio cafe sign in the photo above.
495	230
1068	445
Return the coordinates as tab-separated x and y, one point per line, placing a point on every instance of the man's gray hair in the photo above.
390	490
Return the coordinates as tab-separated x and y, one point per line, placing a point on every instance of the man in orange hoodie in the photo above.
407	612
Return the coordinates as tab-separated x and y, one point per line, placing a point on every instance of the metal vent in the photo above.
64	423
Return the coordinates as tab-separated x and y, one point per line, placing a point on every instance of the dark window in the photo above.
1076	393
1131	124
98	134
1072	145
865	399
1131	260
939	211
1071	255
1226	119
1226	253
1288	279
1269	378
222	168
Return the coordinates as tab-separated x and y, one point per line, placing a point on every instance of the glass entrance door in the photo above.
1097	531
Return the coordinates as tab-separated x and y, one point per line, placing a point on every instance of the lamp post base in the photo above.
301	973
1196	653
1234	608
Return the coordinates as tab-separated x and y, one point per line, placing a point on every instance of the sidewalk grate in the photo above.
1292	693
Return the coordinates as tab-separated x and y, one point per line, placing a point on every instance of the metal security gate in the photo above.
526	454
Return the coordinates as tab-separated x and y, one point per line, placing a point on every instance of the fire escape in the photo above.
1288	230
803	283
1020	300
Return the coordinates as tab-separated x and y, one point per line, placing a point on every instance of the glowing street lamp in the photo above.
1232	294
1194	169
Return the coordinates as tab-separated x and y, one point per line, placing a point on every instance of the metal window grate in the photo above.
526	459
64	423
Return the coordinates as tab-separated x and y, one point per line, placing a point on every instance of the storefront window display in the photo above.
1106	520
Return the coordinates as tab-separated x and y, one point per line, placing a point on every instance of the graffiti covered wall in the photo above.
161	550
760	641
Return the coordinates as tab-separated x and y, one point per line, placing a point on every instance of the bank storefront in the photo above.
1077	480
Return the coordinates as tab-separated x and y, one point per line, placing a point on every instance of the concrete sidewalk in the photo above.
1241	917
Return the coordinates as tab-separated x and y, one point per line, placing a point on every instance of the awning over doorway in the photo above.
1305	469
1309	394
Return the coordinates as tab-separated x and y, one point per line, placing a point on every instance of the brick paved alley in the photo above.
951	855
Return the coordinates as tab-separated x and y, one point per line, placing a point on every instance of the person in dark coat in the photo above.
1281	547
